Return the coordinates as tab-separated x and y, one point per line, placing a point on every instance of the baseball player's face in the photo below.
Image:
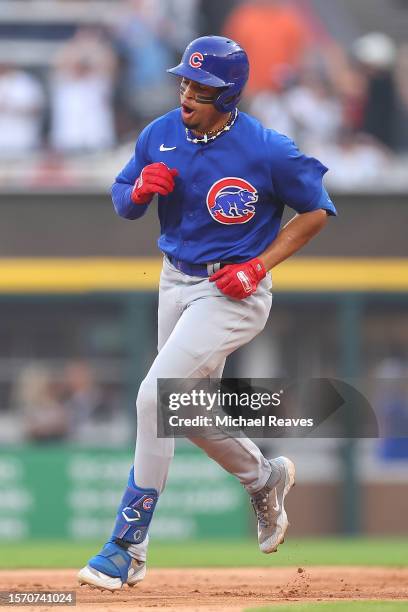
197	110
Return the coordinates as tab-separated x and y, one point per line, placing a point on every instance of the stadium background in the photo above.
78	285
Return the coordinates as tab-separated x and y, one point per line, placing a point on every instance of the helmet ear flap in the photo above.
227	100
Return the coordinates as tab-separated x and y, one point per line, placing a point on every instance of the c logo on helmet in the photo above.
231	200
196	59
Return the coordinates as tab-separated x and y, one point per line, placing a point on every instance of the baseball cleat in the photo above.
111	569
268	505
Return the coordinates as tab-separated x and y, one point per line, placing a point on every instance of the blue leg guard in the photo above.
134	513
132	523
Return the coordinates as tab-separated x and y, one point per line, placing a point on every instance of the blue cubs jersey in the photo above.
230	193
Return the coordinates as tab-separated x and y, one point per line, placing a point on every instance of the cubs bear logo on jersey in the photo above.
231	200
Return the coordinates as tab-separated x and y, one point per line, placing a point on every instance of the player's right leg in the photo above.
123	558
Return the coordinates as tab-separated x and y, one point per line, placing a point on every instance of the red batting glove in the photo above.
154	178
239	281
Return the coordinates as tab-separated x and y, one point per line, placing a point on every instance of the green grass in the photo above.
331	551
338	606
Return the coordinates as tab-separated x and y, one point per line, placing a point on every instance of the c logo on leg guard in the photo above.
131	515
148	503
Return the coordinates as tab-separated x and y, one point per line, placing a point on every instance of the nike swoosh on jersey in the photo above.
163	148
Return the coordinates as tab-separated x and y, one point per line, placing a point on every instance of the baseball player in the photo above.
222	182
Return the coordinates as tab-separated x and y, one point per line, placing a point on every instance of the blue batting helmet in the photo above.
219	62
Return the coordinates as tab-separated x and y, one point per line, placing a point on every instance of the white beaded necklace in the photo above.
206	138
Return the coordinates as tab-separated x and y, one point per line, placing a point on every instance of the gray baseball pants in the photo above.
198	328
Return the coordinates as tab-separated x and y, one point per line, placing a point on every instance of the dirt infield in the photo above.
218	590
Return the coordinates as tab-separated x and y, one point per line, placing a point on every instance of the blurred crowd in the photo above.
65	404
348	106
72	404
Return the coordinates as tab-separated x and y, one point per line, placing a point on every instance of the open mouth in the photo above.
187	110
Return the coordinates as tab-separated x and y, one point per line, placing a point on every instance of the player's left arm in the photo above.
293	236
297	181
241	280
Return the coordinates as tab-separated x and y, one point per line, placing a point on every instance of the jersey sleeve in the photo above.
298	179
124	182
